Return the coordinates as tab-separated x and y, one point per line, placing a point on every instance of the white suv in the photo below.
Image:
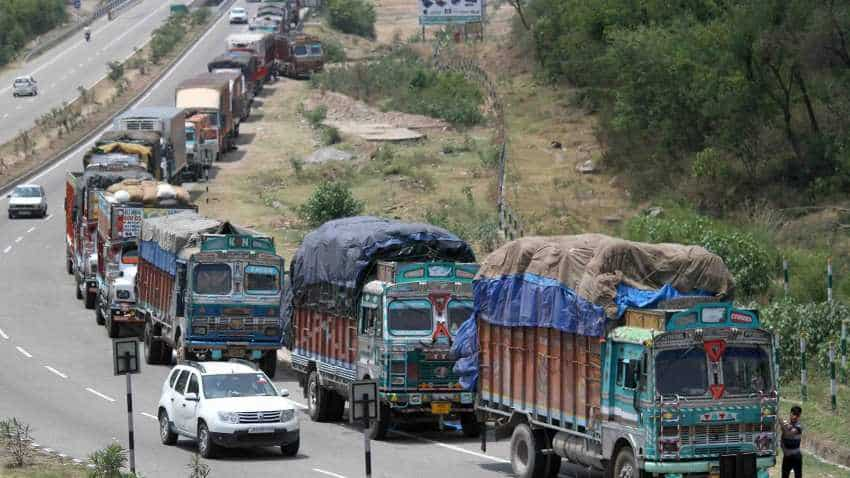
226	404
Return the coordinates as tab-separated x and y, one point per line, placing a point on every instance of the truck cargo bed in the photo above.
554	376
333	345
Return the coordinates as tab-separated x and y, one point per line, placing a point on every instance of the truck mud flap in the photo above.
741	465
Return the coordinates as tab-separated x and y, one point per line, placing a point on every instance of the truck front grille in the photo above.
235	326
438	373
259	417
716	434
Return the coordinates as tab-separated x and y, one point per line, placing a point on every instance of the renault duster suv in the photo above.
226	404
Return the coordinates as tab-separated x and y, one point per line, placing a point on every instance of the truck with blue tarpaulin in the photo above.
378	299
626	357
210	290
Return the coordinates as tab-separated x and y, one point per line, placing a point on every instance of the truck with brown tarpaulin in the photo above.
209	94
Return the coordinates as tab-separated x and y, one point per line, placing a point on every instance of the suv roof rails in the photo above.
193	364
248	363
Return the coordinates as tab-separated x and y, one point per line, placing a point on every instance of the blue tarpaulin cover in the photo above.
576	284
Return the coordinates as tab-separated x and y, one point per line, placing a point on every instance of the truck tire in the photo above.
269	363
625	465
112	329
91	301
470	426
153	348
527	459
98	316
336	408
69	263
317	399
381	426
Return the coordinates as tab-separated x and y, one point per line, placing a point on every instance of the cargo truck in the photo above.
260	45
201	145
169	123
239	61
300	55
371	298
239	101
210	95
121	208
209	290
127	149
620	356
81	208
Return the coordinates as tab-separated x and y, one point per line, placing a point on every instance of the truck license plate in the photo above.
441	408
261	430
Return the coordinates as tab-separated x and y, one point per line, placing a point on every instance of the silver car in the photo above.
25	86
27	200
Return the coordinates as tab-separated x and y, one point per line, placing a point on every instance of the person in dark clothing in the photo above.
792	435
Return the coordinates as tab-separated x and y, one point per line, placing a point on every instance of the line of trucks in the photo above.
626	357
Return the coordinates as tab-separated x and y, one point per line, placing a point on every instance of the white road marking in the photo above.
299	405
3	334
454	448
7	249
49	217
19	239
5	115
328	473
148	415
55	372
52	85
24	352
95	392
18	107
30	229
136	25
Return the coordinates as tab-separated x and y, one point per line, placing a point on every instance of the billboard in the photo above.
439	12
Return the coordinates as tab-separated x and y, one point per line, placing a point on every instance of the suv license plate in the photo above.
261	430
441	408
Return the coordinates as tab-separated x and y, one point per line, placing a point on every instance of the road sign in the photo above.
125	356
363	400
441	12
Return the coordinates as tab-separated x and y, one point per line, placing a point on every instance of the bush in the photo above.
168	36
752	264
108	462
21	21
197	468
352	16
330	200
15	438
334	50
464	218
819	323
200	16
116	71
316	115
330	135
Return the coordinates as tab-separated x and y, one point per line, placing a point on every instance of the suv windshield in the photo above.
409	317
212	279
746	370
26	192
237	385
262	279
459	311
681	372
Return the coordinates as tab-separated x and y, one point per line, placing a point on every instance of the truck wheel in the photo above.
382	425
91	300
69	263
153	348
336	408
317	399
625	465
79	290
112	328
527	461
269	363
98	316
469	424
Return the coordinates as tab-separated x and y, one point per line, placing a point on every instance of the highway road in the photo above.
56	372
74	62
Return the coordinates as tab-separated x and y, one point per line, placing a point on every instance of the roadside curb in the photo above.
223	7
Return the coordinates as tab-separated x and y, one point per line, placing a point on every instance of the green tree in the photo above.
352	16
330	200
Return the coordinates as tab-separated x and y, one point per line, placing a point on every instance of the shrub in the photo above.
316	115
15	438
197	468
352	16
116	71
107	462
334	50
330	135
464	218
330	200
200	16
752	264
167	37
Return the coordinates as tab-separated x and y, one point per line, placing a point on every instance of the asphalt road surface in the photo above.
56	363
74	63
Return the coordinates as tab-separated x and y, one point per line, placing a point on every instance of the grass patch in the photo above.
356	17
401	81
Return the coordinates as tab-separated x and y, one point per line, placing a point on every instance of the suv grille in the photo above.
259	417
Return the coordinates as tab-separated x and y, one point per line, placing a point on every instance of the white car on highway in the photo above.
25	86
27	200
226	404
238	15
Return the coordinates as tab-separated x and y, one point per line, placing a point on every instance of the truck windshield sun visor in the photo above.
212	279
682	372
410	317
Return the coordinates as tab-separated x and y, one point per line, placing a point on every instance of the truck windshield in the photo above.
409	317
316	49
459	311
746	370
130	254
681	372
262	279
213	279
300	50
190	134
237	385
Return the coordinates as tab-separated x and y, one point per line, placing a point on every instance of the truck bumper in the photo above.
430	403
680	469
220	350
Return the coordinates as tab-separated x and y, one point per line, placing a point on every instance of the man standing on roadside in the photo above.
792	435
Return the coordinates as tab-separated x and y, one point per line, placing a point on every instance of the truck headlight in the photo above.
228	417
466	397
286	415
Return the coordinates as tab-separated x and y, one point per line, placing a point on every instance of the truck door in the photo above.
369	326
627	360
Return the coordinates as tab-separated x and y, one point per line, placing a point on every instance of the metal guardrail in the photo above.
510	223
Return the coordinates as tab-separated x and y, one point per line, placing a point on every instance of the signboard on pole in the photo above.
125	356
364	401
442	12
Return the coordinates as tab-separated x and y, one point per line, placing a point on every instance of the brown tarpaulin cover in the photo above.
593	265
146	191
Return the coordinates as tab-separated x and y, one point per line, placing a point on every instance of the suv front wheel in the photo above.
290	449
206	447
167	436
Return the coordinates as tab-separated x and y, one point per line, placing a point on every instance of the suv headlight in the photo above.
286	415
228	417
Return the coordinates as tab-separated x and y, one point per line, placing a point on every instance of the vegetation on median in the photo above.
22	21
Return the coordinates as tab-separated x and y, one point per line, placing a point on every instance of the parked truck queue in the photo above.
625	357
